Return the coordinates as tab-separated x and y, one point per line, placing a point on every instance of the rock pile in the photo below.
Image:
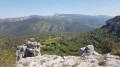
88	58
29	49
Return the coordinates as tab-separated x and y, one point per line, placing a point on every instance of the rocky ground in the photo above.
88	58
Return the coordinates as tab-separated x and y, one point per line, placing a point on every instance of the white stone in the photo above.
90	49
112	56
69	62
86	50
96	53
83	64
29	49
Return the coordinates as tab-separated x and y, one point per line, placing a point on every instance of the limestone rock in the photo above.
33	49
96	53
69	62
89	50
91	60
29	49
112	56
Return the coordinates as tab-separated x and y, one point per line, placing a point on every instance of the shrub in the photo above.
102	63
56	57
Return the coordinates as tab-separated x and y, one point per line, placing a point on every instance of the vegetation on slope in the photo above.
8	46
61	43
93	21
41	25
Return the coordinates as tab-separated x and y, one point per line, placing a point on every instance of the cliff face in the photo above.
115	26
114	23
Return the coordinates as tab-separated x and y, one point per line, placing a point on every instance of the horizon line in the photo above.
56	13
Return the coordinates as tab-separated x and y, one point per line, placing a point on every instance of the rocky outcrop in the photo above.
69	61
114	23
89	50
29	49
93	59
115	26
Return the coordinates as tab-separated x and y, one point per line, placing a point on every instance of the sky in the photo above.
19	8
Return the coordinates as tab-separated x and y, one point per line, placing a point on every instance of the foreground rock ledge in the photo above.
88	58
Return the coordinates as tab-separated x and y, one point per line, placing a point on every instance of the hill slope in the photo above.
93	21
56	23
41	25
105	39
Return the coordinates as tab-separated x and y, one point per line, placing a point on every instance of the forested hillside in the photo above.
92	21
8	46
105	39
41	25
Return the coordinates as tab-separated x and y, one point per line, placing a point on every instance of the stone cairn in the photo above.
29	49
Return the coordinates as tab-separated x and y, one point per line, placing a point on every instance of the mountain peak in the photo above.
57	14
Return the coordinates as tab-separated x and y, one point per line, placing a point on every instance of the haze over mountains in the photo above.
93	21
56	23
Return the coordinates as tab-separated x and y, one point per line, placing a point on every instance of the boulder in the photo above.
89	50
29	49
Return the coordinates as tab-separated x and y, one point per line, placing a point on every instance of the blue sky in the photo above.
19	8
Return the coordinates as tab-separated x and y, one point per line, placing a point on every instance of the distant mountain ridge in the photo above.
93	21
41	25
14	19
56	23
